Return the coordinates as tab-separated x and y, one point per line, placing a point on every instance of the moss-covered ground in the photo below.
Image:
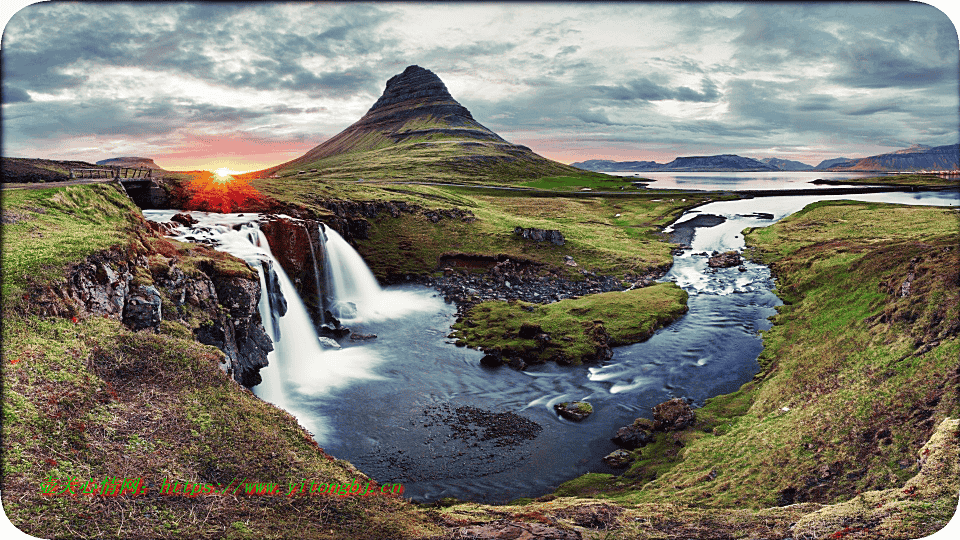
572	324
911	180
606	235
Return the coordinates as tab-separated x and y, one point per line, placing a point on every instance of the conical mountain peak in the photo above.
414	83
416	129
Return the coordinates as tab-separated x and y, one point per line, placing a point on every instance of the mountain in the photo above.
827	163
787	164
606	165
723	162
914	149
132	162
915	158
416	130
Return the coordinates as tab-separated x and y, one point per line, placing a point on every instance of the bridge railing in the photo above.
113	172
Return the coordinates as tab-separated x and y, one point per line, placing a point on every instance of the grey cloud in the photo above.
881	65
103	35
59	120
816	102
868	109
644	89
12	94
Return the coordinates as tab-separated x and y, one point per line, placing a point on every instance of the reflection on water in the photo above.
740	180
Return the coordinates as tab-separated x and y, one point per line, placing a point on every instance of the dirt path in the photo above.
45	185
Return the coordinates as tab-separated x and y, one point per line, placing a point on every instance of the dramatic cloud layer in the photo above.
250	85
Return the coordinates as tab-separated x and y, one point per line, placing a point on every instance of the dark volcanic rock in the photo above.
672	415
540	235
724	260
184	218
142	307
106	285
518	279
635	435
683	232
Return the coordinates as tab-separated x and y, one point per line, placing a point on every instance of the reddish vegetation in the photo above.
213	193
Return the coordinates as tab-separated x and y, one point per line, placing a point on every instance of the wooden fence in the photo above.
112	172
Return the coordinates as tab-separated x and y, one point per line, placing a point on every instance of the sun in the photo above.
223	171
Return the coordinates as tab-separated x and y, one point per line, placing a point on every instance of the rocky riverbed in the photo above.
511	279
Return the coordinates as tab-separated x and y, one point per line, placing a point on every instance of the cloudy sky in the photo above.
247	85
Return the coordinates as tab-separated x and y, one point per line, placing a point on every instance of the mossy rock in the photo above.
574	410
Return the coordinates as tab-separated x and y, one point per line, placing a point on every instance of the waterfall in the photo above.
351	286
301	375
353	294
321	306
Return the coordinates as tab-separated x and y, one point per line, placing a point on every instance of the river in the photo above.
766	180
409	406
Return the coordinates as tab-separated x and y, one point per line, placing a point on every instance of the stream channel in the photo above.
411	407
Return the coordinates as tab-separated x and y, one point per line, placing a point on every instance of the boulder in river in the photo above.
724	260
635	435
574	410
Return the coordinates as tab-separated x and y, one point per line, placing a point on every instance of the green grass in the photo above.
916	180
582	183
53	227
576	326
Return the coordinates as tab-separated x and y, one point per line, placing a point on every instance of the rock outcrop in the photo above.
635	435
144	290
672	415
296	245
540	235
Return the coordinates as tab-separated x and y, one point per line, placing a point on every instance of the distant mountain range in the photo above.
916	158
827	163
787	164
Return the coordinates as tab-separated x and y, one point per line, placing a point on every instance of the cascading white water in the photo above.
353	293
299	369
350	283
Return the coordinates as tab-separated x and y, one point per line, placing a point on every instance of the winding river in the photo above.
409	406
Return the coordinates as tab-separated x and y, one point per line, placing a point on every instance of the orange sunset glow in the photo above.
232	153
220	192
